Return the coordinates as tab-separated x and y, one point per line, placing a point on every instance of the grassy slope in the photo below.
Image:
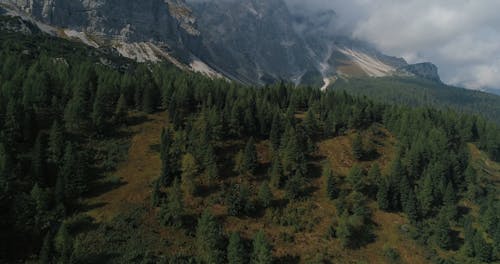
315	217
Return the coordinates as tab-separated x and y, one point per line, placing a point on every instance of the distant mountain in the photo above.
251	41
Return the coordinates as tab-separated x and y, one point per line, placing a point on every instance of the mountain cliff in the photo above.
251	41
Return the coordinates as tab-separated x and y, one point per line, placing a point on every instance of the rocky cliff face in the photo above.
252	41
425	70
167	23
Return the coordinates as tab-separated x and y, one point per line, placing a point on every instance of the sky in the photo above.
462	37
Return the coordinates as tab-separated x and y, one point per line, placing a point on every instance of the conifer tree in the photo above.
39	168
56	143
443	232
294	186
468	246
63	244
46	252
120	115
383	195
262	251
276	172
357	147
208	239
332	191
355	178
236	252
189	170
265	195
481	248
250	157
172	211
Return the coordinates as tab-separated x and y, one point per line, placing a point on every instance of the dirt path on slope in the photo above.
141	168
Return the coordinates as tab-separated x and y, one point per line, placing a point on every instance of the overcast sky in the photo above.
462	37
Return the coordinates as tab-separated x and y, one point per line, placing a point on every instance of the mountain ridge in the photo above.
250	41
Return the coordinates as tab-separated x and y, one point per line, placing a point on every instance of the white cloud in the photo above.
461	36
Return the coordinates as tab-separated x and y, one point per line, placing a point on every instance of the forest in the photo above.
59	99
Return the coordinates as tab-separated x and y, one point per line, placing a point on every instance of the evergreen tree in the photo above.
383	195
120	115
208	239
63	244
468	246
238	201
355	178
172	211
73	173
236	252
262	251
357	147
265	195
481	248
168	158
189	171
39	168
294	186
249	163
443	232
46	252
56	143
276	172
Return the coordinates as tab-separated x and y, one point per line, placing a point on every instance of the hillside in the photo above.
421	93
106	160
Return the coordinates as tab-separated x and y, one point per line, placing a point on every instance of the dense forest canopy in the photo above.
57	98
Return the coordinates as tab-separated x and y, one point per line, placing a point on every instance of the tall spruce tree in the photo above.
236	252
209	239
262	250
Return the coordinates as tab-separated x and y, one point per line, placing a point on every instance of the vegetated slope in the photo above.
420	92
304	239
62	115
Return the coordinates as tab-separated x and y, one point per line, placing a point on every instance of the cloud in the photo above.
462	37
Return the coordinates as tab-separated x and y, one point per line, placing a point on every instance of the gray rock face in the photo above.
123	20
424	70
252	41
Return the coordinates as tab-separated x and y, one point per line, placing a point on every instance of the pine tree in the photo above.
172	211
443	232
468	246
250	157
189	171
46	252
39	168
332	191
169	159
357	147
236	252
99	113
56	143
374	174
63	244
355	178
120	115
294	186
482	248
238	201
450	202
383	195
73	174
265	195
262	251
276	172
208	239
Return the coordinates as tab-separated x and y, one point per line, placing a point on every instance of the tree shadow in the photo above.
137	120
288	259
99	188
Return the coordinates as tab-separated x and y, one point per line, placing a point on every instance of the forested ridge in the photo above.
58	98
412	91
